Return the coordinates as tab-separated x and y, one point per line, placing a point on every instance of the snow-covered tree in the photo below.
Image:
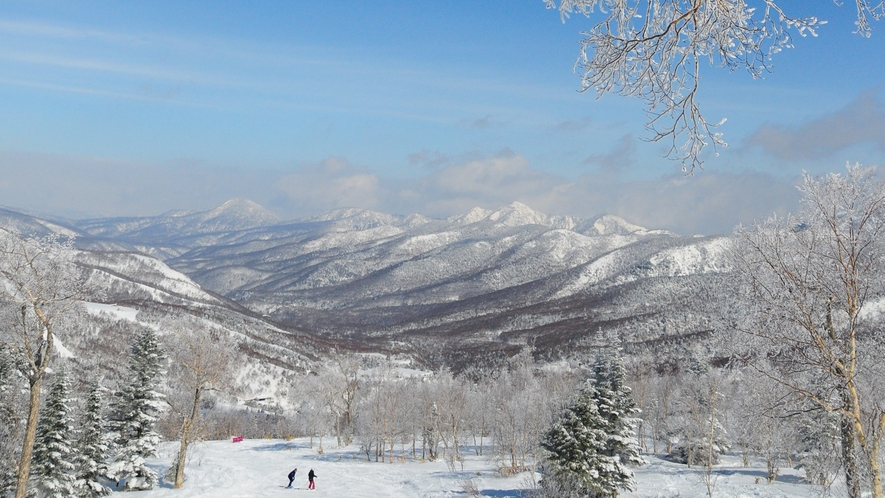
39	285
808	282
589	449
92	448
134	415
52	469
575	451
201	359
10	420
522	411
338	389
654	50
701	435
616	404
818	446
761	421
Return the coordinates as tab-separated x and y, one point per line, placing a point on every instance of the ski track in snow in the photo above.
258	468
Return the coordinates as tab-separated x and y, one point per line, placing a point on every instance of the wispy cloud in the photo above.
271	74
29	28
430	159
860	122
620	157
478	123
574	125
144	93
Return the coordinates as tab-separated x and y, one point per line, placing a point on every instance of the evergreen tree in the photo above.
10	426
617	407
588	449
134	416
574	448
92	448
52	468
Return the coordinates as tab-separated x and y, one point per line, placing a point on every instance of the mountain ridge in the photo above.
486	282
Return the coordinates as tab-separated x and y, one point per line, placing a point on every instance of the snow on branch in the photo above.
653	50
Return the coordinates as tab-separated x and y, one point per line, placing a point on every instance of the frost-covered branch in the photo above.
653	49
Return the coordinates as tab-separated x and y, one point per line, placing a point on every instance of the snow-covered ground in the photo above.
258	468
662	478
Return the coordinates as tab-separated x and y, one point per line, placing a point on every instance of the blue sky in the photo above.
126	108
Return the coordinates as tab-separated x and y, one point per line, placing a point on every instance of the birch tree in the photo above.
810	281
39	285
202	359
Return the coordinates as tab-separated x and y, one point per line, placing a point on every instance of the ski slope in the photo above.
258	468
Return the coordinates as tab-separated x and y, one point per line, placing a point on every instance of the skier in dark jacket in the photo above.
292	476
310	477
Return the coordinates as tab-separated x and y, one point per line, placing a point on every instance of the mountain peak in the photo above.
608	224
239	203
472	216
513	215
516	214
242	211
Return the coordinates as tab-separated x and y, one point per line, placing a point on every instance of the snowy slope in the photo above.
258	468
500	278
357	274
141	275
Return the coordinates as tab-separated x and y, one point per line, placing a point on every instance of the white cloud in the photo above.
705	203
331	184
87	187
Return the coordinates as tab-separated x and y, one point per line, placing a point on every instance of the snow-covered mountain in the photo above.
487	281
233	215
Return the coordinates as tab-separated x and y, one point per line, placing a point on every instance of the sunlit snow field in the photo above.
259	467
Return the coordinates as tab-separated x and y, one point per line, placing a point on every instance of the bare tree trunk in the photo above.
24	466
338	429
179	463
876	473
873	456
186	427
41	281
711	437
849	458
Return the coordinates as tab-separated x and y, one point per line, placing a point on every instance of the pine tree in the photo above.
589	448
52	468
574	447
92	448
134	416
10	430
617	406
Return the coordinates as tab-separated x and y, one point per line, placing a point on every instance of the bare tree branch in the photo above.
652	50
